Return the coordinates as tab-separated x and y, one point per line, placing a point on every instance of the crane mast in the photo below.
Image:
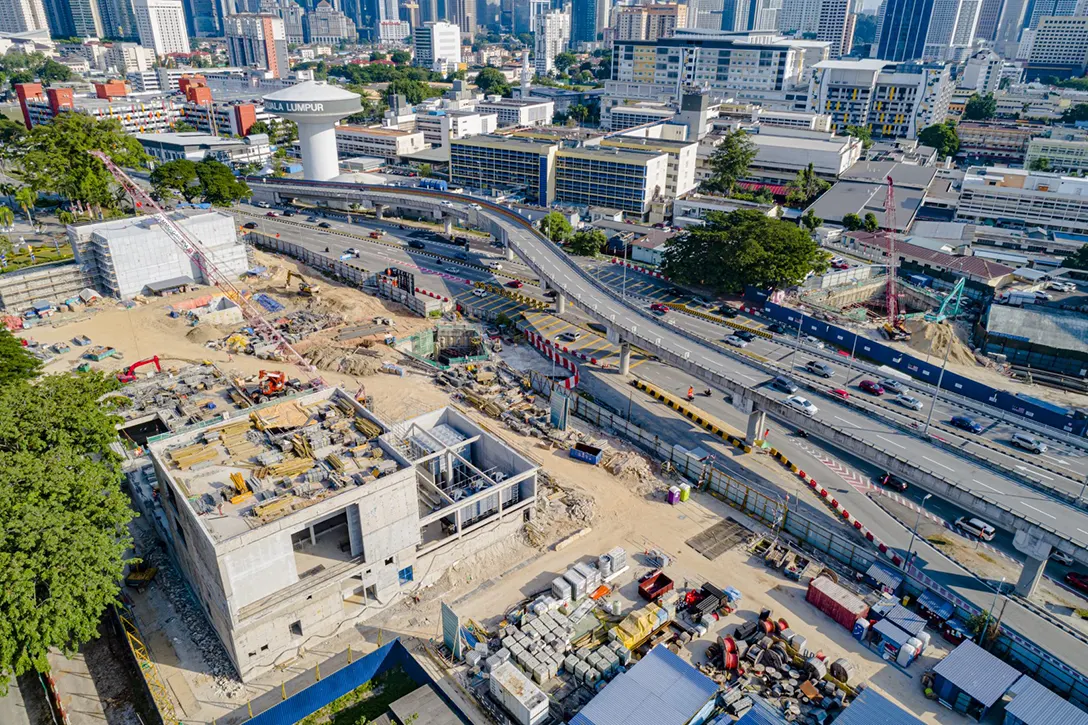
891	294
195	251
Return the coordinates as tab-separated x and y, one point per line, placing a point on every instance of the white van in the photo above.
976	527
495	266
479	292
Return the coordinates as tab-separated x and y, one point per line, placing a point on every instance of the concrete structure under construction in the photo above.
306	512
123	257
316	107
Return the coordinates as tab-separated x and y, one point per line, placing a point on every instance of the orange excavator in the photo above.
269	384
130	374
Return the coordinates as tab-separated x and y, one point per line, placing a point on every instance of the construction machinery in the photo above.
268	385
305	288
950	306
140	575
893	328
129	375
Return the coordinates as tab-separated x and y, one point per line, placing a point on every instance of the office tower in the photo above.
257	41
86	19
291	13
204	18
982	72
20	16
988	15
902	29
428	11
799	16
462	13
835	24
437	46
763	14
526	12
650	21
487	13
1009	25
506	15
1050	8
588	20
1060	48
161	25
328	26
118	18
552	37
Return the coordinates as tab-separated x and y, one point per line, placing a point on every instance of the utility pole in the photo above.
914	531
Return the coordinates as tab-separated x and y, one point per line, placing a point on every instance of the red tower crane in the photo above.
893	328
196	252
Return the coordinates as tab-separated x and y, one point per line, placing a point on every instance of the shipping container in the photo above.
838	603
523	700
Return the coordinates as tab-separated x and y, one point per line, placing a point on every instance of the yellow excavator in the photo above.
305	288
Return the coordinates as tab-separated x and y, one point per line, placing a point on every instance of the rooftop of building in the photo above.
508	142
1059	329
652	144
969	265
647	109
257	465
869	64
373	130
196	138
903	175
610	154
515	102
557	133
830	143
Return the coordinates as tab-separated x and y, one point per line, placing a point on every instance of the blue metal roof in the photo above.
906	620
977	672
872	708
936	604
889	631
661	689
761	714
1034	704
883	575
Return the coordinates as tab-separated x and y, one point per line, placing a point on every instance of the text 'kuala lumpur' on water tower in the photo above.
316	107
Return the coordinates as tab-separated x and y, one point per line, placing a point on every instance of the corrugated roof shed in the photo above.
661	689
872	708
977	672
1033	704
906	620
761	714
889	631
1059	329
936	604
883	575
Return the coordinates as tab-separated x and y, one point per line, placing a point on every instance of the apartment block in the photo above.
892	100
499	162
1021	199
996	142
161	25
136	112
437	46
1063	155
293	518
521	112
611	178
982	72
650	21
257	41
551	36
386	143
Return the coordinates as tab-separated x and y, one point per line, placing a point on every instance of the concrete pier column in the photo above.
447	225
560	303
509	253
1036	553
379	211
625	358
1030	576
757	423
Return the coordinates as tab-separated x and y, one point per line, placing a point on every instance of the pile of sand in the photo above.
932	338
353	361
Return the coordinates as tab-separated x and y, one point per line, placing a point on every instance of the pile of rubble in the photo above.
632	468
351	360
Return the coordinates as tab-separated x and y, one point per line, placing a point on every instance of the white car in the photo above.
802	404
908	401
477	207
263	205
736	341
447	203
352	251
479	292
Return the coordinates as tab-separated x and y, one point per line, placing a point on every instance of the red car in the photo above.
839	393
872	387
659	308
515	283
271	213
841	265
1077	581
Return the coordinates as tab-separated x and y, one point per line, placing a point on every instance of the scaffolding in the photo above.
150	672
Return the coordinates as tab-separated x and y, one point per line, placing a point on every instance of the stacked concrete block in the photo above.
591	574
500	657
580	671
577	582
561	589
540	674
569	663
473	658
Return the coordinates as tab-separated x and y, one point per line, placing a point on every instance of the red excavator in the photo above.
130	374
268	385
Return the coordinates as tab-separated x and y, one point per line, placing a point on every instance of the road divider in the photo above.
517	296
696	415
545	346
642	270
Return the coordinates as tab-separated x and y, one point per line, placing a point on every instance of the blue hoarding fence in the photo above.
1044	414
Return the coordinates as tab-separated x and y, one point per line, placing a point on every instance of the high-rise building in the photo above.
526	12
161	25
552	37
86	19
1012	19
1052	8
1060	48
20	16
902	28
118	18
127	58
588	20
982	72
988	15
835	24
326	25
291	13
59	17
764	14
650	21
951	30
437	46
799	16
428	11
462	13
204	18
257	40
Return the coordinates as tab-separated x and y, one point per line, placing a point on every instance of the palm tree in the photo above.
64	217
26	197
7	217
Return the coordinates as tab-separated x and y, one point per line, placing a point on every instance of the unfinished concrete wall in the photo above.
261	568
54	282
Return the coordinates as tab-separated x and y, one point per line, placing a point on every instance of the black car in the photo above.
416	244
288	213
785	385
676	291
728	311
325	225
745	335
893	482
250	225
776	328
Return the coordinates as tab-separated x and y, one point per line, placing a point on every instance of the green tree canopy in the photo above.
1077	112
861	132
811	222
740	248
941	136
218	185
980	108
852	222
259	127
555	227
870	222
805	187
730	161
55	158
65	517
16	364
183	127
1040	164
492	82
413	91
400	57
588	243
176	178
1079	259
565	60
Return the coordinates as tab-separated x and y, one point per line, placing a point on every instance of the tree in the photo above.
740	248
259	127
861	132
555	227
377	55
730	161
805	187
811	222
1040	164
492	82
587	243
864	29
400	57
26	198
16	364
54	72
176	178
871	223
980	108
413	91
218	185
66	217
565	60
65	516
56	158
1077	112
941	136
183	127
1079	259
7	217
425	170
852	222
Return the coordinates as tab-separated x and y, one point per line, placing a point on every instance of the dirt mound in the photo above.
632	468
205	333
352	361
932	338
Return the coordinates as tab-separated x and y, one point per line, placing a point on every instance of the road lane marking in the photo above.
935	463
892	442
1044	513
1028	472
1059	461
986	485
844	420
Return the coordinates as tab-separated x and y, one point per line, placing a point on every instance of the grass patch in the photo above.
986	557
938	540
1082	613
366	702
42	255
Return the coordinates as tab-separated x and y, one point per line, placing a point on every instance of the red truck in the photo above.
654	584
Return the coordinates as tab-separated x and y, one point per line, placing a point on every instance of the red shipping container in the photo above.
841	605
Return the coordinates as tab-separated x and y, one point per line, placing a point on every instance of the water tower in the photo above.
316	107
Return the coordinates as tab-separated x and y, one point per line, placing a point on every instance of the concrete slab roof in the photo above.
1059	329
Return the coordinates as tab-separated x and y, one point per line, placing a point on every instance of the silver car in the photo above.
908	401
1026	442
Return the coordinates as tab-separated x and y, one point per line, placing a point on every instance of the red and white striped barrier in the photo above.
552	352
435	295
644	270
848	517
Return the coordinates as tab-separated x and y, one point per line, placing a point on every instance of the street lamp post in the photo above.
800	326
914	531
937	392
623	288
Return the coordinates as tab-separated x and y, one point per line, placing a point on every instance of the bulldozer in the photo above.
305	288
895	332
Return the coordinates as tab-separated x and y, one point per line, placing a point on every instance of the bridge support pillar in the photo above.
625	358
447	226
560	303
757	423
379	211
1036	554
509	253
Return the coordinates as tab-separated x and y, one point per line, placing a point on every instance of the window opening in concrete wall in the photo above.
296	628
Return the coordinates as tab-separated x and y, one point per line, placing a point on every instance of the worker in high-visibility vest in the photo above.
691	393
